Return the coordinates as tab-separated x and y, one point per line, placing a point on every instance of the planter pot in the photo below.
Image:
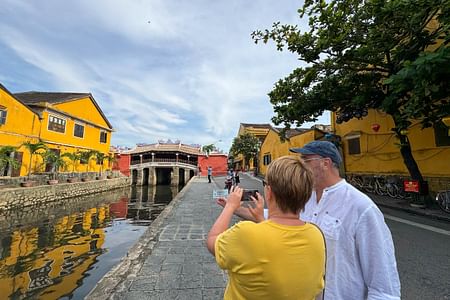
109	177
27	184
85	179
72	179
52	181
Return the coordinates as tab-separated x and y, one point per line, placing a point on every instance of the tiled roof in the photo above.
32	98
165	147
2	87
292	132
267	126
35	97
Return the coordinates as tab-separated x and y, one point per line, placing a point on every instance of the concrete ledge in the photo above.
17	198
115	281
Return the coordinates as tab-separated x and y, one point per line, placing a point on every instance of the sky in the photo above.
183	70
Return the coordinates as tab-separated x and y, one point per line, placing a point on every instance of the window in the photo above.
103	136
56	124
267	158
441	135
78	131
354	146
3	113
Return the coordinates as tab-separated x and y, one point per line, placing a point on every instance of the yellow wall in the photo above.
276	148
84	109
22	124
380	153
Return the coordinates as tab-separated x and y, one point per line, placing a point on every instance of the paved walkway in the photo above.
171	261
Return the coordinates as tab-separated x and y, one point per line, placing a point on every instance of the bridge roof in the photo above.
165	148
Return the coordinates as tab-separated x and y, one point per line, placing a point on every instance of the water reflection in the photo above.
62	250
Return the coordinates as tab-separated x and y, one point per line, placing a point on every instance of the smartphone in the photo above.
247	193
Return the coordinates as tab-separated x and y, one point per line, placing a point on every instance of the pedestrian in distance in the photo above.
236	178
209	174
361	260
282	257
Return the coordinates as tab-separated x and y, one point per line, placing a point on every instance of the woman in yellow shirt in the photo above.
280	258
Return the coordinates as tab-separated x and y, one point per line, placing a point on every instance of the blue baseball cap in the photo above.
322	148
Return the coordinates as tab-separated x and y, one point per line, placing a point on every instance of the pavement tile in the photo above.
140	295
181	294
144	283
212	293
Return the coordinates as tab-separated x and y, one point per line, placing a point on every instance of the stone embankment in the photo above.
18	198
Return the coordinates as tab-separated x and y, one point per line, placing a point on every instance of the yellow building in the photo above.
370	147
258	130
18	123
273	147
65	122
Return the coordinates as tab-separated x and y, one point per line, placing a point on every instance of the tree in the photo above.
208	148
100	157
387	55
6	159
73	157
33	148
86	156
56	161
247	145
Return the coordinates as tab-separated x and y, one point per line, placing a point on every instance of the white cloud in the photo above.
191	73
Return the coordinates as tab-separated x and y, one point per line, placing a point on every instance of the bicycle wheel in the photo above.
380	186
443	200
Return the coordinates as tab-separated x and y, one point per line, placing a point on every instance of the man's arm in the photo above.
377	256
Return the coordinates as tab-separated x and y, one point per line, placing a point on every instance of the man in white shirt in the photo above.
360	252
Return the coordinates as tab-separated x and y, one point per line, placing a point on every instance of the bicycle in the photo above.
443	200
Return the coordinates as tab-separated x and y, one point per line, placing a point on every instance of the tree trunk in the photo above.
408	158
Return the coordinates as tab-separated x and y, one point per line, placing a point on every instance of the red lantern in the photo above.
375	127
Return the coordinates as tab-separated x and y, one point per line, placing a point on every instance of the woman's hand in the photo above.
234	198
257	209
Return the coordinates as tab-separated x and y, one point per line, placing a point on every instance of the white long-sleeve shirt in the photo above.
360	252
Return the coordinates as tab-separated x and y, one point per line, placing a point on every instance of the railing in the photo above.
165	160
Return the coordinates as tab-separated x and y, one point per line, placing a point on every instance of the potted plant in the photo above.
111	160
6	159
85	157
56	162
100	157
33	148
73	158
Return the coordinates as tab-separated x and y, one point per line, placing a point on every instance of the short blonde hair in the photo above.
291	183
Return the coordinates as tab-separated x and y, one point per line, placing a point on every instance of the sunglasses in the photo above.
311	158
264	182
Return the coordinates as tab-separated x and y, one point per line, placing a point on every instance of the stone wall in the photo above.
17	198
42	178
51	212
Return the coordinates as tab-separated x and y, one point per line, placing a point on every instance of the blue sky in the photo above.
159	69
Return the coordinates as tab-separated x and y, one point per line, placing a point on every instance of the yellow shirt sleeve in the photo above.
229	242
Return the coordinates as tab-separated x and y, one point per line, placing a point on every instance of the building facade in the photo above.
371	148
65	122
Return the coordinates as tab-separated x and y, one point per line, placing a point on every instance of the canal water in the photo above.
61	250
